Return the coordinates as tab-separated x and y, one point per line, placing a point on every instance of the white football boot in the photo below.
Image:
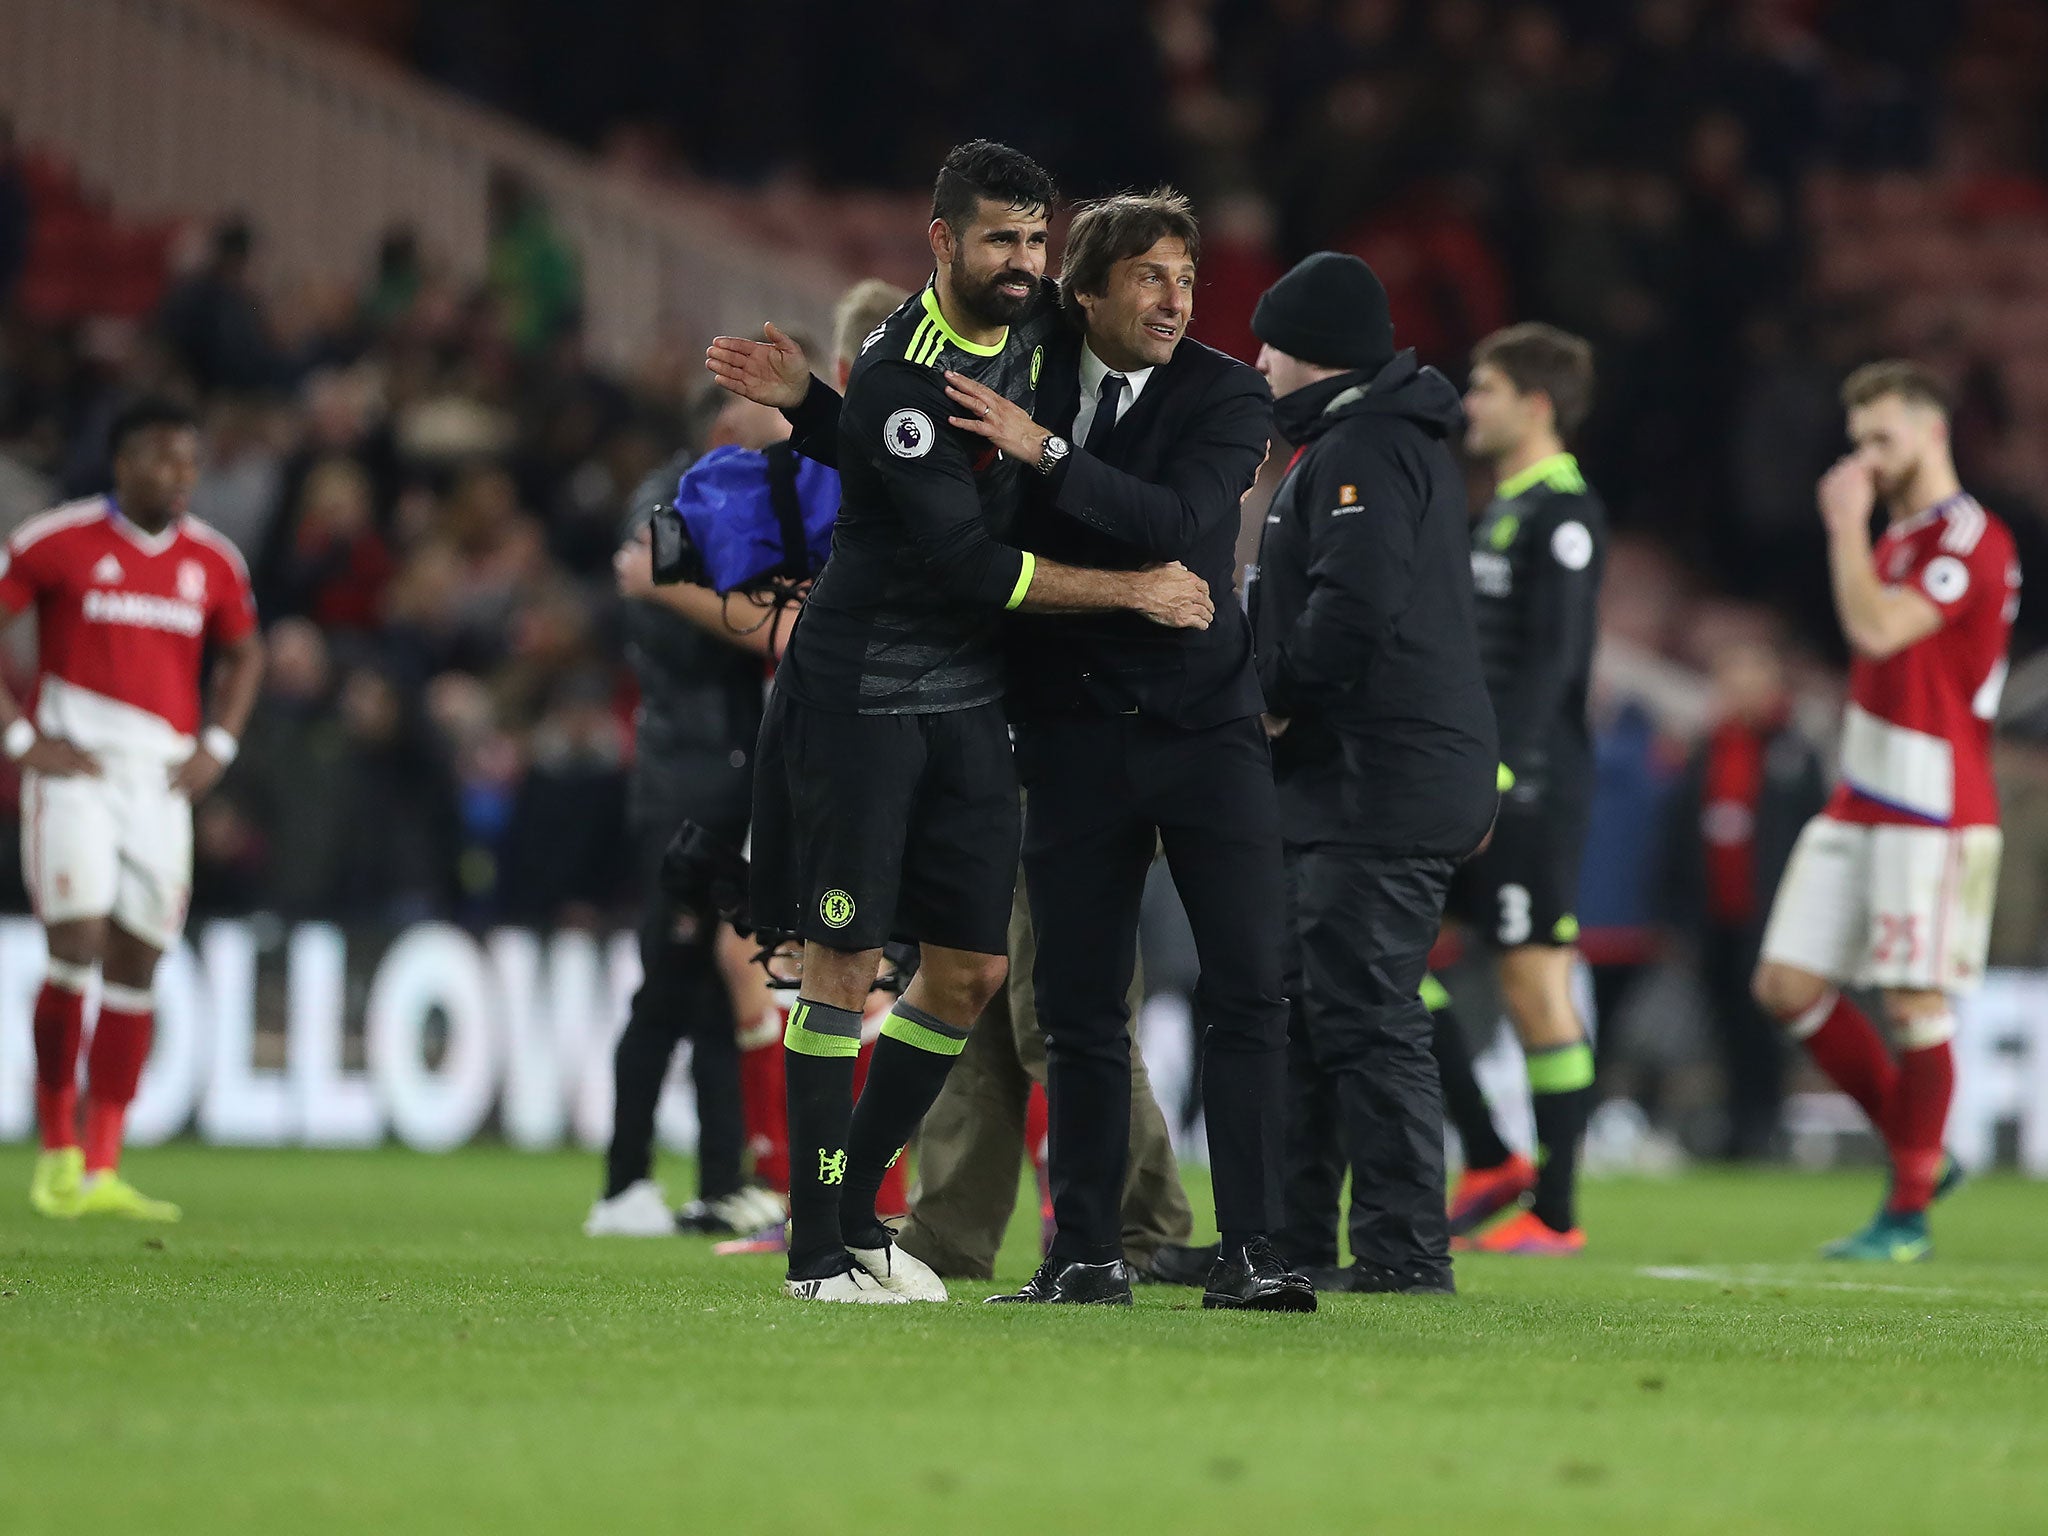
751	1209
856	1284
893	1269
638	1210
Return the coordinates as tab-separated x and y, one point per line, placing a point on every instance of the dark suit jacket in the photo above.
1166	487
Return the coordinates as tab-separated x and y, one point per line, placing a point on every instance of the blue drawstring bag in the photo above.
747	520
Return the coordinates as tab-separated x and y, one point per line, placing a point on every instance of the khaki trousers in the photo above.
971	1147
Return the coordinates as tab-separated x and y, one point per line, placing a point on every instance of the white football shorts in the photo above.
1887	906
117	846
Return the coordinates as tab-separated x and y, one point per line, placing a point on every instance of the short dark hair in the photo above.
1542	358
149	411
983	168
1114	229
1912	382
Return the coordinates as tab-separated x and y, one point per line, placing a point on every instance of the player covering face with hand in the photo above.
128	593
1891	886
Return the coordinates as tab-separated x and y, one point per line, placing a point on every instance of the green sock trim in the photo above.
1433	995
914	1027
1564	1069
818	1029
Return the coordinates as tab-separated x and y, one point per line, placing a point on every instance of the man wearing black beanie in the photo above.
1386	754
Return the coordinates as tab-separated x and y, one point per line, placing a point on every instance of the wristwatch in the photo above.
1053	454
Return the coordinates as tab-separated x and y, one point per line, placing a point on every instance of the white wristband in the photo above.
18	738
219	745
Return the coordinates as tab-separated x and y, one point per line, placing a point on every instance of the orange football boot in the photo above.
1526	1233
1483	1193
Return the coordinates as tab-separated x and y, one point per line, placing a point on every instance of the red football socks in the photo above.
1847	1047
1927	1080
1906	1101
59	1021
763	1107
113	1067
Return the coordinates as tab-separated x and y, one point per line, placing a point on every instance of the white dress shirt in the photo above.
1093	371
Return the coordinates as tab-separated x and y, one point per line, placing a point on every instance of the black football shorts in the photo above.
872	828
1524	888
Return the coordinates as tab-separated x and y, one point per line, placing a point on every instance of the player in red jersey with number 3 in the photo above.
128	593
1891	885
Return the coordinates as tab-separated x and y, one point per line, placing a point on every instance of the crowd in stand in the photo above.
1643	174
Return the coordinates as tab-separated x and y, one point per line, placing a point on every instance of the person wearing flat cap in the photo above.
1386	755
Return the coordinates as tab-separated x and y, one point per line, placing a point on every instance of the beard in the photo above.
985	300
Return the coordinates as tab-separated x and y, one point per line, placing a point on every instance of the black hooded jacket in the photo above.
1361	607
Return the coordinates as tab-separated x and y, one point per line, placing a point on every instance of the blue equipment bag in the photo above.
744	520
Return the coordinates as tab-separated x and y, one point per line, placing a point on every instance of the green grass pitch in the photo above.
392	1342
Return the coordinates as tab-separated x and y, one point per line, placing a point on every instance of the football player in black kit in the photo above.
1536	557
886	802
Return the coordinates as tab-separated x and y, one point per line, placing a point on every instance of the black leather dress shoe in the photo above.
1258	1282
1063	1281
1171	1264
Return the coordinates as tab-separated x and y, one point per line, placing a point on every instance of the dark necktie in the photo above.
1107	398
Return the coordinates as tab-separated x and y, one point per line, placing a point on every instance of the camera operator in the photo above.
700	709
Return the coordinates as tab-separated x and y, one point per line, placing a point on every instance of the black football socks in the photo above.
1561	1093
819	1047
1464	1103
905	1074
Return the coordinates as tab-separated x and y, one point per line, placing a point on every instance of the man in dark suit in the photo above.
1128	742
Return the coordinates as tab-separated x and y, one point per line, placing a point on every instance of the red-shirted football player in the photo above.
1891	885
128	593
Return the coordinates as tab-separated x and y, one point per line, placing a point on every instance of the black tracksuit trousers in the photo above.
681	995
1362	1082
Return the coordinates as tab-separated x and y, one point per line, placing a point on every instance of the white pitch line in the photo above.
1714	1274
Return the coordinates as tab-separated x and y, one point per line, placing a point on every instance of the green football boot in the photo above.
1891	1238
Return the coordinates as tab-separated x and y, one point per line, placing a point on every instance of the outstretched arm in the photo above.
774	371
771	371
1214	462
896	419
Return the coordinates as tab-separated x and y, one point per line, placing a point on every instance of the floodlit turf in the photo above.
392	1342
